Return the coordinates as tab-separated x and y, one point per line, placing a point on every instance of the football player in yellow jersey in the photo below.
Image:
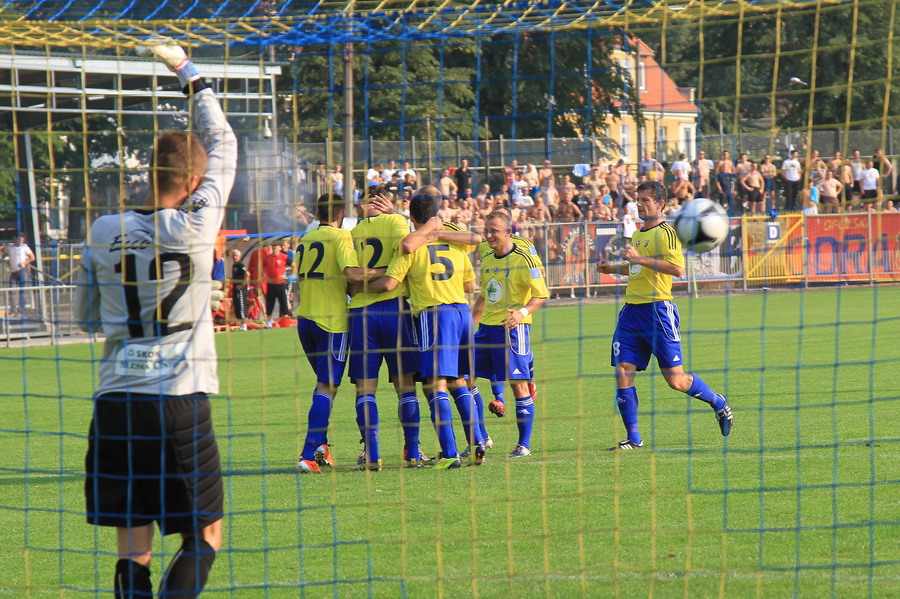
648	322
325	262
498	406
512	289
438	275
381	328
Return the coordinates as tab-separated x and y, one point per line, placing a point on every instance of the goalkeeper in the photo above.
152	456
648	322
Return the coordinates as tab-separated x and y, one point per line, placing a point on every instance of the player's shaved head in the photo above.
329	207
424	204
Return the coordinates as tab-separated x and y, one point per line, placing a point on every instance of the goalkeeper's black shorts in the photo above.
152	459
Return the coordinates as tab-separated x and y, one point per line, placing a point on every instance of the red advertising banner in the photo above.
853	247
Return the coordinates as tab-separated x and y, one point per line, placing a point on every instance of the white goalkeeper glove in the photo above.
216	295
173	56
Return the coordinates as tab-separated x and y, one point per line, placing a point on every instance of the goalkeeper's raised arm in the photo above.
210	187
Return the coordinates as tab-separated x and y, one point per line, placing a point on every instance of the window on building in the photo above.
642	75
662	145
625	142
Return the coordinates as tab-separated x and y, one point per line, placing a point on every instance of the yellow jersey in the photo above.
449	226
509	281
377	240
435	274
319	262
646	285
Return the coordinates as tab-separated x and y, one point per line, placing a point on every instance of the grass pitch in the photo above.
801	500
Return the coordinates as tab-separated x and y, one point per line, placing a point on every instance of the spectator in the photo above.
857	165
889	206
463	176
869	183
531	178
741	170
835	164
447	185
336	180
501	198
702	167
768	172
645	165
484	194
682	189
809	199
464	213
445	212
629	183
545	175
373	175
20	256
816	168
407	173
846	178
612	181
595	181
539	213
725	180
656	172
550	197
753	186
239	280
275	272
883	166
510	172
829	193
583	201
218	268
681	166
792	173
388	174
604	210
566	189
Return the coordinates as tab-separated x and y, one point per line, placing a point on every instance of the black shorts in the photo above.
152	459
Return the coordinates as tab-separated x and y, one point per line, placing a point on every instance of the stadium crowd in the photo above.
606	191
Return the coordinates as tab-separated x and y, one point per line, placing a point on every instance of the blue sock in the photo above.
442	417
627	400
409	420
525	419
497	388
701	391
367	421
479	413
317	424
465	405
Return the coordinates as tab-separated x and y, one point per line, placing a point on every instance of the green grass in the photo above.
802	499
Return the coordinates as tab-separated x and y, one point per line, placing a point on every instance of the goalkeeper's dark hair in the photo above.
424	204
656	188
177	157
329	207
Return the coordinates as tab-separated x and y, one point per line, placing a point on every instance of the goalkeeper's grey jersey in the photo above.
146	279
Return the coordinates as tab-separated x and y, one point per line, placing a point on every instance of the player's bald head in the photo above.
424	204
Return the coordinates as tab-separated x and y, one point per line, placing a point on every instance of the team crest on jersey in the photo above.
634	269
493	291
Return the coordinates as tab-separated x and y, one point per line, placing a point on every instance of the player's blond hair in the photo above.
177	157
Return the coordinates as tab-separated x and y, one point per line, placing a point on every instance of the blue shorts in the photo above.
770	183
502	353
326	352
645	329
445	341
383	330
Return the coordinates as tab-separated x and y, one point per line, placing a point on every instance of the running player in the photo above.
648	323
512	288
145	284
325	262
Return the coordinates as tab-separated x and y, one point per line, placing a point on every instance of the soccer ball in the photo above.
701	224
